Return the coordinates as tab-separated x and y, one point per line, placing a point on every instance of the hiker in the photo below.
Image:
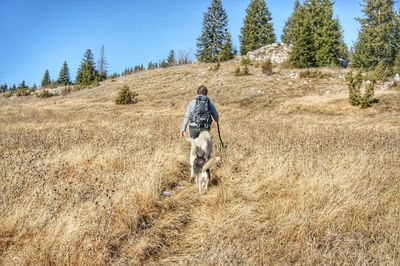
199	113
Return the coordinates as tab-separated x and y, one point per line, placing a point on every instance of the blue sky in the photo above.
41	34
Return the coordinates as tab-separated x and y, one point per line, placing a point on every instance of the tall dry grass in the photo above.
305	179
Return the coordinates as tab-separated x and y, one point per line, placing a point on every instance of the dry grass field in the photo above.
306	178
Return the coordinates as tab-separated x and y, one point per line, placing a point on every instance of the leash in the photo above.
219	135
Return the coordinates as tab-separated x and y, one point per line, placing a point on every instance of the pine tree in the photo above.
316	37
164	64
152	65
171	58
327	35
291	25
22	85
396	68
87	73
227	52
64	77
102	65
46	79
257	30
214	33
377	36
303	51
4	88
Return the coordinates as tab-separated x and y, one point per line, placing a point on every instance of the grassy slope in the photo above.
306	177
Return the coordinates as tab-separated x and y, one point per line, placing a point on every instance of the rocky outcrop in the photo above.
397	77
278	53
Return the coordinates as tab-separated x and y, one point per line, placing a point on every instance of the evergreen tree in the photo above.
214	33
34	87
257	30
316	37
291	25
227	52
46	81
164	64
64	77
152	65
102	65
327	34
87	73
3	88
377	36
303	51
396	68
171	58
22	85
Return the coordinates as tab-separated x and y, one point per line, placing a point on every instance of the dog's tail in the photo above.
210	163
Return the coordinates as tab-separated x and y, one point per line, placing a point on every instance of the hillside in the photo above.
306	178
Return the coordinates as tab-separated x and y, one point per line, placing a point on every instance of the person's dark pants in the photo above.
195	131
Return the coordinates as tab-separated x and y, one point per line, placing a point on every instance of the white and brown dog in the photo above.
200	160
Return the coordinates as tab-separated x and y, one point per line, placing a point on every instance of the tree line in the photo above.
89	73
315	35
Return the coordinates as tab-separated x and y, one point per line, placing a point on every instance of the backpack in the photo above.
201	114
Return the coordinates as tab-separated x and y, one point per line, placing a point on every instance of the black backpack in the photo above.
201	114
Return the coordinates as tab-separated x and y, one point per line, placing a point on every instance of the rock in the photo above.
397	77
278	53
56	91
166	193
387	85
293	75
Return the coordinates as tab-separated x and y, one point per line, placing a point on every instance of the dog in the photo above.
200	160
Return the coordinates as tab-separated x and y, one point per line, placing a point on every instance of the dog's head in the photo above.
199	163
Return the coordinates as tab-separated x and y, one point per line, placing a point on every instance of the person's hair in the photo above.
202	90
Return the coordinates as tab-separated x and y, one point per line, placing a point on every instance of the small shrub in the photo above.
355	96
45	94
126	96
367	98
314	74
266	67
8	94
22	92
245	71
354	85
241	71
245	61
237	72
